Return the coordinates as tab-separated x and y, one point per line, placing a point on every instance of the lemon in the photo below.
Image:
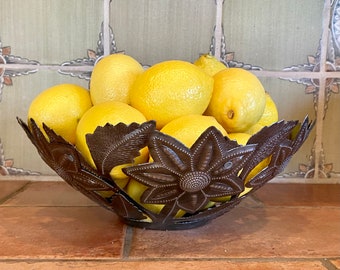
188	128
60	107
254	129
171	89
242	139
135	190
270	114
112	112
112	78
238	100
209	64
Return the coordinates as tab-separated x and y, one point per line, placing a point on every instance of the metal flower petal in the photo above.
192	202
190	177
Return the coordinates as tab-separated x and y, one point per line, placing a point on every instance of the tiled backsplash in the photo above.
286	44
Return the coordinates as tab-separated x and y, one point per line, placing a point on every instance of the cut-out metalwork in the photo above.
187	179
6	74
182	179
91	59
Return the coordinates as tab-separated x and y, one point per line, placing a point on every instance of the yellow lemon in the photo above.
112	77
60	107
112	112
209	64
188	128
254	129
238	99
135	190
242	139
171	89
270	114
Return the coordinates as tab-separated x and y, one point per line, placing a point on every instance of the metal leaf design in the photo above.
120	144
283	139
181	178
266	140
66	161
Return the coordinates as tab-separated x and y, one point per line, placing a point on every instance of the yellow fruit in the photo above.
242	139
112	78
245	191
135	190
188	128
238	99
270	114
254	129
171	89
60	107
209	64
112	112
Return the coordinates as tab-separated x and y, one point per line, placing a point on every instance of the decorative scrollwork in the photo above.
7	59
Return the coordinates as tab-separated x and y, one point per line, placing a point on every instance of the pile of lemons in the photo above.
183	98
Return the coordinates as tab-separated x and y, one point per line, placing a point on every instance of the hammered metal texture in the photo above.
202	182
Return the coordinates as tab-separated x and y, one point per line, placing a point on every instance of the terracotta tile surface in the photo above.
59	232
49	194
336	263
9	187
49	225
249	233
164	265
299	194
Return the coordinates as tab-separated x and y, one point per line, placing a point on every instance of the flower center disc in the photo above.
194	181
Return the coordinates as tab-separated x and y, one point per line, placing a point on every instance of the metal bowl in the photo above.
201	182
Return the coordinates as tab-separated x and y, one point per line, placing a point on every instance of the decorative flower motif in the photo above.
6	59
91	59
190	177
7	166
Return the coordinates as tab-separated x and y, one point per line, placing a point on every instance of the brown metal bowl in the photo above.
180	178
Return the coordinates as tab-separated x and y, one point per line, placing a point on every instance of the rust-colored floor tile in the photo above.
9	187
60	232
49	193
299	194
157	265
336	263
249	233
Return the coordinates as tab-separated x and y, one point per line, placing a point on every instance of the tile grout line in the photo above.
6	198
127	244
326	262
